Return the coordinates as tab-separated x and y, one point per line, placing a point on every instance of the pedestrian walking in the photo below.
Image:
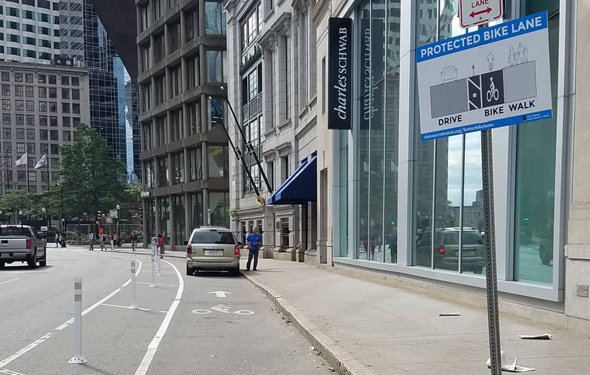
62	240
101	240
56	239
133	241
161	245
254	241
112	242
91	240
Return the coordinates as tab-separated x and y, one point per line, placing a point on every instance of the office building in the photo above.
184	149
41	105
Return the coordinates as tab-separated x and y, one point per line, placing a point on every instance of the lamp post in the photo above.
118	219
61	212
20	213
44	211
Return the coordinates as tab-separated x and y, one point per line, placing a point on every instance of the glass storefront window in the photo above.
535	175
378	130
195	164
150	217
219	208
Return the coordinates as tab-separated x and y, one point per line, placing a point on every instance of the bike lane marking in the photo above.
155	343
9	281
47	336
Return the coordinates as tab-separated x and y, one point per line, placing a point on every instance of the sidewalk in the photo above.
369	328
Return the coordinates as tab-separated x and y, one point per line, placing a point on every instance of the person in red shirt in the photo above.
161	245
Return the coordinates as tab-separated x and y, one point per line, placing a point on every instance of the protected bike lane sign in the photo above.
497	76
476	12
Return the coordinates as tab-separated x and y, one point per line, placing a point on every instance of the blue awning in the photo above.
300	187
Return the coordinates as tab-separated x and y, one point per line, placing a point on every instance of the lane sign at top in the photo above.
477	12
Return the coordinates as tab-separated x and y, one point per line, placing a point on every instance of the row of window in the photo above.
172	170
31	15
44	120
41	78
21	176
44	135
29	106
32	41
42	92
44	148
215	23
44	4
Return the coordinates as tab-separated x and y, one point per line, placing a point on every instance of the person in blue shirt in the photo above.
254	240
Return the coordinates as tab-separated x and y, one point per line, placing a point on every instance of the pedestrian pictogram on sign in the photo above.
477	12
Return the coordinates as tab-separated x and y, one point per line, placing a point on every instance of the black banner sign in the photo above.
340	73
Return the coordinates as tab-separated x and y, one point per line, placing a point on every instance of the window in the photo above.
219	206
193	117
18	91
177	132
20	147
52	80
8	147
54	136
43	134
75	81
6	133
30	106
20	133
175	81
173	37
42	92
149	174
195	164
216	61
52	93
65	80
30	148
42	106
217	160
6	105
146	129
52	107
19	105
158	47
30	120
67	136
178	168
43	148
214	18
54	149
5	90
192	73
53	121
6	119
191	21
65	107
159	89
41	78
76	108
75	94
31	134
29	91
43	120
284	168
250	28
5	76
66	122
285	231
20	119
163	177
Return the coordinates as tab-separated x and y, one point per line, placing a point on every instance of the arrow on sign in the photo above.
220	293
474	13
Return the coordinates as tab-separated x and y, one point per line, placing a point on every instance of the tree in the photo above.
14	201
91	179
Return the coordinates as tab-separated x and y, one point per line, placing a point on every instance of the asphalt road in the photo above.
208	324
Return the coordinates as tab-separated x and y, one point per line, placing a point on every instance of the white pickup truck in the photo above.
21	243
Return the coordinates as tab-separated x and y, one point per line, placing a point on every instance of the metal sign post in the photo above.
477	12
490	243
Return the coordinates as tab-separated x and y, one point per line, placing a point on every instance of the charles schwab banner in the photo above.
340	73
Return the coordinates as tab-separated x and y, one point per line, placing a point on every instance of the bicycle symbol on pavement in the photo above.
493	92
223	309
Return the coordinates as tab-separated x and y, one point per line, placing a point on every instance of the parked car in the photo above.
446	249
21	243
212	248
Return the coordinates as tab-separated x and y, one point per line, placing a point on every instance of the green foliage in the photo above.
13	201
91	179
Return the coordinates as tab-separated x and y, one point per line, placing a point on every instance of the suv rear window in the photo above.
15	231
213	237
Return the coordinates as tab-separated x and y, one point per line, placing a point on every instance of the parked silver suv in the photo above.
446	249
212	248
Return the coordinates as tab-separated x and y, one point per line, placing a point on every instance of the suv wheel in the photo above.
43	262
2	264
189	270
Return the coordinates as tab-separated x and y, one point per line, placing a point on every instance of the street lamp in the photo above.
20	213
44	211
118	219
61	199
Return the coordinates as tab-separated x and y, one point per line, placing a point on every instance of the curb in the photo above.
334	354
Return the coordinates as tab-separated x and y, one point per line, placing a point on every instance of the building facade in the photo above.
29	31
184	149
113	107
41	105
273	87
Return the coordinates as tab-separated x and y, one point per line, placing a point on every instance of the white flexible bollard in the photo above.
77	358
153	284
158	255
133	286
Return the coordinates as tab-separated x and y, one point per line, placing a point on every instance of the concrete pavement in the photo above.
362	327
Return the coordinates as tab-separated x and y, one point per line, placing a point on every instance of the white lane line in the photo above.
31	346
153	346
8	372
172	285
125	307
59	328
9	281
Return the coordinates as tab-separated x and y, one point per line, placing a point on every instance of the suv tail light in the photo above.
29	244
441	250
189	249
237	250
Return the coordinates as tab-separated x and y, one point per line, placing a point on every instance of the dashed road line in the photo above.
8	372
9	281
